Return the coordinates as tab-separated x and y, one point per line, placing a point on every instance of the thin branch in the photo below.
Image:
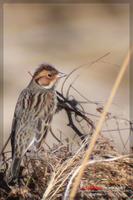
83	65
52	133
88	101
5	145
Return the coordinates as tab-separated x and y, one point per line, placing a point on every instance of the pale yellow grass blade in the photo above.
99	127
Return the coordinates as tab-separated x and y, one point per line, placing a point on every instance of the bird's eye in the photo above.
49	75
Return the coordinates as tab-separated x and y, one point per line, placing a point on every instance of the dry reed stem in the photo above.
99	127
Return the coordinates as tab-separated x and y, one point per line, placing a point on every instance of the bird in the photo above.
33	114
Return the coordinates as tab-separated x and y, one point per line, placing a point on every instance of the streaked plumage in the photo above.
33	114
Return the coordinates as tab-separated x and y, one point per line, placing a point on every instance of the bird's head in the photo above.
46	76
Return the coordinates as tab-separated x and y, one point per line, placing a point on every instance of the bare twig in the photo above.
83	65
5	145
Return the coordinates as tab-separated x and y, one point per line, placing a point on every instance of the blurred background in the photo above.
67	35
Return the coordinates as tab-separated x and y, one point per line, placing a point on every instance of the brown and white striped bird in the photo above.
34	111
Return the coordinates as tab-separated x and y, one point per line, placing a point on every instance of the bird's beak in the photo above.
61	75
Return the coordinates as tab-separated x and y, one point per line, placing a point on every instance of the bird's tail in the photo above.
14	170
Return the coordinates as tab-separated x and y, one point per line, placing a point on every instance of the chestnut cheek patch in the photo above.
43	81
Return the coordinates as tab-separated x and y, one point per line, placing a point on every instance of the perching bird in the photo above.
34	111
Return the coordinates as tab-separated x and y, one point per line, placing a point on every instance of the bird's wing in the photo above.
21	109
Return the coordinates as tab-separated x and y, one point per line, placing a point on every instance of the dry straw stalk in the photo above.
99	127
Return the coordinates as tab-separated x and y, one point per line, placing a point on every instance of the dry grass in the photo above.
51	175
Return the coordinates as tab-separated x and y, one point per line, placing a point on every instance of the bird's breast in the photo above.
43	105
